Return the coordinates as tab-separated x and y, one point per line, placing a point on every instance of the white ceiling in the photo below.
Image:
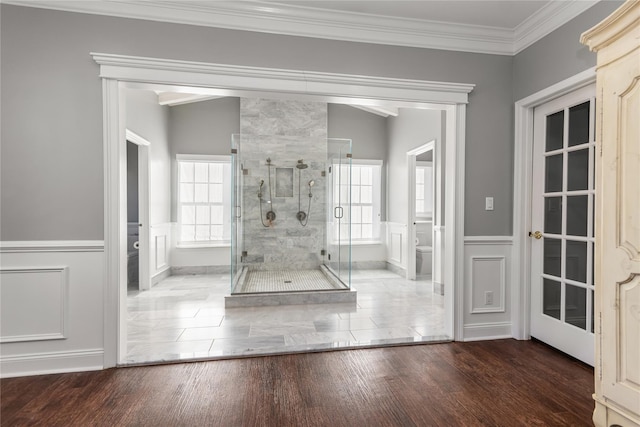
484	26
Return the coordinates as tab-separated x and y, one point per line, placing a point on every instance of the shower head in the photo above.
311	183
301	164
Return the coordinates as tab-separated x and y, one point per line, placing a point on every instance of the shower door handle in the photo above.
338	212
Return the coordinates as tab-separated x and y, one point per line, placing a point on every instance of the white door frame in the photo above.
523	178
117	71
411	220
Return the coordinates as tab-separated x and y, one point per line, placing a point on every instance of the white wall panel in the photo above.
161	252
33	303
438	251
487	284
52	307
487	265
161	242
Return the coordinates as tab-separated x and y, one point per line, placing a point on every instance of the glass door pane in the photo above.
563	199
338	257
568	197
237	232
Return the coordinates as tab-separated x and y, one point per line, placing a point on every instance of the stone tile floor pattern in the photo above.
184	318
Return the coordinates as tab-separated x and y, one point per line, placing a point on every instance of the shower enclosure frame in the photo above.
334	258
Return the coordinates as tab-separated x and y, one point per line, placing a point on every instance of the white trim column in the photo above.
453	272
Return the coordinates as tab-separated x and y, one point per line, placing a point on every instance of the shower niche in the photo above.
290	220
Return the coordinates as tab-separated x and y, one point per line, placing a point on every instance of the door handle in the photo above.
337	212
536	234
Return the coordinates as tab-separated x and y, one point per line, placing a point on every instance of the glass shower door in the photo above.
237	232
338	235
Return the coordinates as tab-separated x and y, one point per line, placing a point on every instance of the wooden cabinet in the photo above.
617	269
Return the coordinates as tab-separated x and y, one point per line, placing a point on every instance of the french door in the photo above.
562	235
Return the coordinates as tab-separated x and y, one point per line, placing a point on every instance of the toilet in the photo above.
132	258
424	250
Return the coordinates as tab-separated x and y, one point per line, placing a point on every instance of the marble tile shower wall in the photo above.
285	132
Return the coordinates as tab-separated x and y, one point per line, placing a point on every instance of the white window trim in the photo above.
203	158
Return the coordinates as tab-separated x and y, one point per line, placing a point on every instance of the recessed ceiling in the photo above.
483	26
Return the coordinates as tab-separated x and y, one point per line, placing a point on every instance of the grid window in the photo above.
365	185
203	198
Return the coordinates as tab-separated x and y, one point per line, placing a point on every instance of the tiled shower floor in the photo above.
183	317
285	281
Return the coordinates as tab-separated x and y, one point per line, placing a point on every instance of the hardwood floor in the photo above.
489	383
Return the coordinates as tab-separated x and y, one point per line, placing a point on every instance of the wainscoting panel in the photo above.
487	293
161	252
487	284
438	250
52	302
34	303
396	239
161	241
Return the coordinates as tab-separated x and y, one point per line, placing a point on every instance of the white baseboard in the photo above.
160	276
487	331
51	363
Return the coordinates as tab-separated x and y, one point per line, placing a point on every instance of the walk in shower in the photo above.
290	214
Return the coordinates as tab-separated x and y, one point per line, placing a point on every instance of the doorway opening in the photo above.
215	79
138	275
426	180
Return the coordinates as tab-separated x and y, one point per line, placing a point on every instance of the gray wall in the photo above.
559	55
132	182
202	128
66	104
411	129
150	120
368	134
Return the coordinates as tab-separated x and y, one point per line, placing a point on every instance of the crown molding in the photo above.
303	21
547	19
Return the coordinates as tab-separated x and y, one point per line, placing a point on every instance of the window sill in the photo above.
203	245
360	243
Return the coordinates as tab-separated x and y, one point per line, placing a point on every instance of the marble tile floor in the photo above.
184	318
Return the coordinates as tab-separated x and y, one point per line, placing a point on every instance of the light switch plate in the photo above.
488	203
